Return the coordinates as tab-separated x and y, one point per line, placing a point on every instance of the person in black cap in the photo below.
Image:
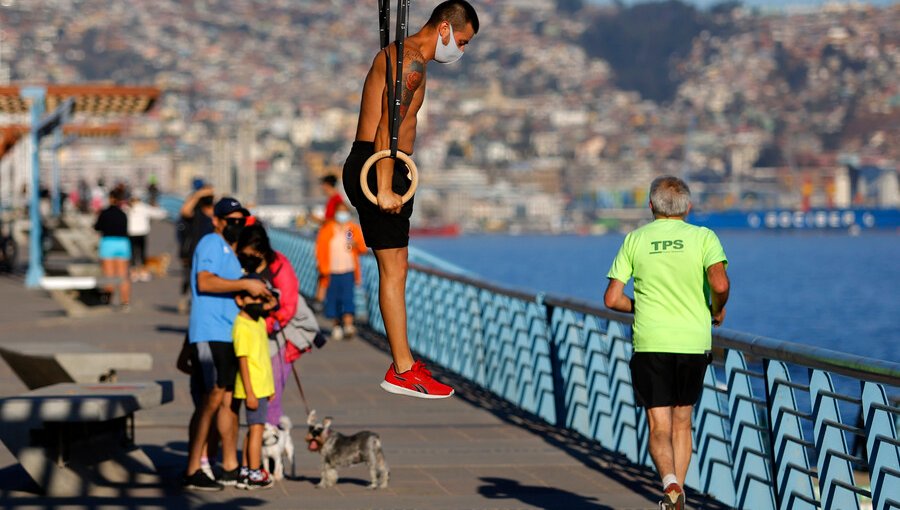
215	279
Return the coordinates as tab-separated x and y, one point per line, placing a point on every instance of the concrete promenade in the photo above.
472	451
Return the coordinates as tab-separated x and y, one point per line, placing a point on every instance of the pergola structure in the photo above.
63	102
97	100
10	134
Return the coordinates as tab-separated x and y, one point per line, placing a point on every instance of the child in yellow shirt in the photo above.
254	385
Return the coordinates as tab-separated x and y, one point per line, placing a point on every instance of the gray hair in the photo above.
669	196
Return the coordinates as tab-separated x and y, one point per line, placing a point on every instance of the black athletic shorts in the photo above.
663	379
380	230
218	366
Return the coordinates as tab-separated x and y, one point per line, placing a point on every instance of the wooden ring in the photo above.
410	165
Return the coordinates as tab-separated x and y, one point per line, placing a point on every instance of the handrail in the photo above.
851	365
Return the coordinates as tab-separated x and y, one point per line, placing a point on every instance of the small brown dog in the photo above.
158	265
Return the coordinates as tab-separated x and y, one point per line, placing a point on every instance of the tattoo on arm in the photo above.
413	77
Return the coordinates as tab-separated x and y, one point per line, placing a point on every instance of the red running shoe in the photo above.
415	382
673	498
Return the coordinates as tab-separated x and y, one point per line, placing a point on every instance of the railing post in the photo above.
751	470
834	470
793	485
711	468
882	446
559	383
627	421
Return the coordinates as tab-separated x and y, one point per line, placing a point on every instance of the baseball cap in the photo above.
228	205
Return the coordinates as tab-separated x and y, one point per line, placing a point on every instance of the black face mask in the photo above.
250	263
231	233
255	310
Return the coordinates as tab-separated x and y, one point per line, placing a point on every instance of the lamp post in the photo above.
40	127
35	250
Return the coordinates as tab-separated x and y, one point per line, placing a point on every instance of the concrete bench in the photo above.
40	364
78	439
78	243
78	295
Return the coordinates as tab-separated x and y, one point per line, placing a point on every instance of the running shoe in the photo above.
673	498
258	479
200	482
337	333
243	474
415	382
230	478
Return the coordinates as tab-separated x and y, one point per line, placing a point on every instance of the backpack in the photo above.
302	332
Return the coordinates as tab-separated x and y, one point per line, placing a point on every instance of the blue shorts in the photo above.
115	248
339	300
256	416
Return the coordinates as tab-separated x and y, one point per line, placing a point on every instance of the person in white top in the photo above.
139	215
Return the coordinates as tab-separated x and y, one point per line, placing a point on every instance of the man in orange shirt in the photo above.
338	247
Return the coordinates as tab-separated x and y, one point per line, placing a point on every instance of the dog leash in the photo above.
293	369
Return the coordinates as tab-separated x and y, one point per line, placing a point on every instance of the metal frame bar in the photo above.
40	127
394	90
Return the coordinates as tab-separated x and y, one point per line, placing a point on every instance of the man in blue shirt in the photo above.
215	278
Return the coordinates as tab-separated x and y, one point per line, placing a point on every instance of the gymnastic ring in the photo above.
410	165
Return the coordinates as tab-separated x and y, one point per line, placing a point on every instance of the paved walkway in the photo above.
469	452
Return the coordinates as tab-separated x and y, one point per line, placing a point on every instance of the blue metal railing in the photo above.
778	426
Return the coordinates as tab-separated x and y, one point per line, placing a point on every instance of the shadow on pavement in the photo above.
536	496
15	478
172	309
129	502
638	479
177	330
17	490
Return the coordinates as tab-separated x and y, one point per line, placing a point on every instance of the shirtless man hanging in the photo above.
385	226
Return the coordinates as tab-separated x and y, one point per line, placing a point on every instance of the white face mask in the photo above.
447	53
342	216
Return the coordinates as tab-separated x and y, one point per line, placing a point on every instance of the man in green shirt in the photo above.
680	286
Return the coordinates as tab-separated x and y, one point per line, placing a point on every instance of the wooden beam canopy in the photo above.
89	99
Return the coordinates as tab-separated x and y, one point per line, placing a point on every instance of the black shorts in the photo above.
380	230
662	379
214	365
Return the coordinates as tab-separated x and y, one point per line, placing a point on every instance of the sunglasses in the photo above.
235	221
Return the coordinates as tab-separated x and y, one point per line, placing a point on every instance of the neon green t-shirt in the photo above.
668	259
252	342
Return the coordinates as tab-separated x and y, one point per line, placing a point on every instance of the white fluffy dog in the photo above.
277	446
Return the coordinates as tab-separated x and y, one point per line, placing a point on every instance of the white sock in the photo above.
669	479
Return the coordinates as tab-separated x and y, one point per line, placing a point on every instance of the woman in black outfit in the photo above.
115	247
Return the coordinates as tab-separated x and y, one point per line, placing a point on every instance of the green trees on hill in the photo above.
642	42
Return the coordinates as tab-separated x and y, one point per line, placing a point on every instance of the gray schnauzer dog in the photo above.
338	450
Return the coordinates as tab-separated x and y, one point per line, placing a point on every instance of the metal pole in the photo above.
54	189
384	21
35	251
402	19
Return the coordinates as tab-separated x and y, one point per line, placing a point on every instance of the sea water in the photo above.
824	289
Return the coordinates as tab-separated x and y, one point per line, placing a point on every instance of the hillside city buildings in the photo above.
529	130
